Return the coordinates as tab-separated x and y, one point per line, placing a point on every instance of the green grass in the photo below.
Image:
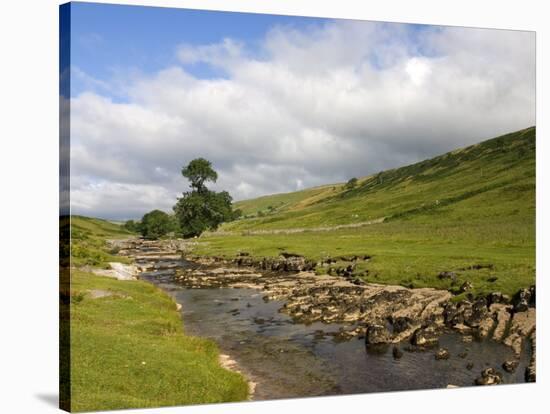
111	338
88	241
471	206
497	174
284	202
128	351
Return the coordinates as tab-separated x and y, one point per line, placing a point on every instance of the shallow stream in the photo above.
288	359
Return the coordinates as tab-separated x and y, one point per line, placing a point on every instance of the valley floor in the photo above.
487	255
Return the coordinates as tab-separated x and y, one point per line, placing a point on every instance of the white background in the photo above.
29	202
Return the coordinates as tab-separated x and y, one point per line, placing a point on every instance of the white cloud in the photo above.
312	106
418	70
219	54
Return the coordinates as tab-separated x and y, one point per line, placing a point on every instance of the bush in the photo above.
132	226
352	183
156	224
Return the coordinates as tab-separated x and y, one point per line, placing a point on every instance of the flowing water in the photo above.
288	359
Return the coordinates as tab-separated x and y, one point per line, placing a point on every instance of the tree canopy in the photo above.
201	209
156	224
132	226
198	172
352	182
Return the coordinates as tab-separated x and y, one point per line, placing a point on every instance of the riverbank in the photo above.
379	315
128	347
128	350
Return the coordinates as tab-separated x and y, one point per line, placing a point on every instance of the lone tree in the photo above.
156	224
351	183
198	172
201	209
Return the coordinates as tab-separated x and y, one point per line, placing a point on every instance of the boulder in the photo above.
462	329
467	339
476	313
426	337
377	334
531	370
522	300
521	326
530	374
485	326
401	324
442	353
452	315
119	271
510	365
489	376
497	297
503	317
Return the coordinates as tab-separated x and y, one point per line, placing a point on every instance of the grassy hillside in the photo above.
98	227
494	177
287	201
88	241
471	211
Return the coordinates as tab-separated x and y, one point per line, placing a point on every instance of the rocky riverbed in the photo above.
380	315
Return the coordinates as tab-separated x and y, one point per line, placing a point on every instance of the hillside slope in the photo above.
494	177
88	246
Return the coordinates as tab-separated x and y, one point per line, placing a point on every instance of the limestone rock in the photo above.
377	334
489	376
531	370
442	353
426	337
503	316
510	365
521	326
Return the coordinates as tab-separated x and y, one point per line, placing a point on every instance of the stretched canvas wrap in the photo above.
261	206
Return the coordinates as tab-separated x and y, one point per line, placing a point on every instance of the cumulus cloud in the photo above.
308	106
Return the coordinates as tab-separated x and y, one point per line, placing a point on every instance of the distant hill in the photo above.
98	227
492	179
88	246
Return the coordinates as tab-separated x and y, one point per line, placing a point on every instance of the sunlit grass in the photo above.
128	351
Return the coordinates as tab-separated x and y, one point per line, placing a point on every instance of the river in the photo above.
288	359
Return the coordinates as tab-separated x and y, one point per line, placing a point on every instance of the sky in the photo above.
276	103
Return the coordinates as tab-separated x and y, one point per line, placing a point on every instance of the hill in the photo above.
470	211
88	241
493	177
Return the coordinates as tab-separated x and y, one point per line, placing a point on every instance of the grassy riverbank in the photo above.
128	349
470	211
